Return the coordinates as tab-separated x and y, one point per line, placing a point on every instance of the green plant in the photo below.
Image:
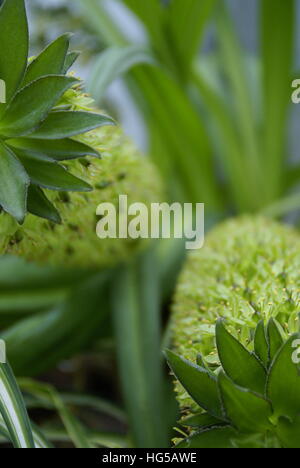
34	134
246	379
252	400
214	118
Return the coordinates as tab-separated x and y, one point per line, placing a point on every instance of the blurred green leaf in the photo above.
14	45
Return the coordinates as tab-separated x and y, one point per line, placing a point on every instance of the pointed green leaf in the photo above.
260	344
39	205
32	104
247	411
70	60
50	61
38	437
13	410
289	432
241	366
64	124
283	385
199	384
14	182
14	45
221	437
51	175
60	150
274	338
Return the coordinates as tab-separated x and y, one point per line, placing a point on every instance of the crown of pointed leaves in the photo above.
35	133
252	400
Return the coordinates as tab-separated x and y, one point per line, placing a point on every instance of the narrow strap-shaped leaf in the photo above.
70	60
50	61
13	410
278	20
64	124
60	150
33	103
260	343
275	338
221	437
199	384
39	205
241	366
14	46
247	411
40	440
283	385
113	63
14	184
51	175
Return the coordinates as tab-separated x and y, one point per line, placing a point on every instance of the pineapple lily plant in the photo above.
252	400
236	338
36	134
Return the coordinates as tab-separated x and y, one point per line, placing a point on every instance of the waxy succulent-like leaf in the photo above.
283	384
60	150
64	124
52	176
203	420
39	205
199	384
14	184
32	104
247	411
14	46
241	366
50	62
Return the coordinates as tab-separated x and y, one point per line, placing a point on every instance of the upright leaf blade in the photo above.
241	366
49	62
14	45
199	384
13	410
283	385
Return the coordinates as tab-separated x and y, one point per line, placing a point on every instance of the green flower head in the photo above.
35	134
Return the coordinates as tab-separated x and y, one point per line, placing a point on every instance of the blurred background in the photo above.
203	87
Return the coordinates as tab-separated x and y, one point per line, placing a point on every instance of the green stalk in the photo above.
135	300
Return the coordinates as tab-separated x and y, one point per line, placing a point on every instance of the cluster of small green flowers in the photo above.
247	271
121	170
